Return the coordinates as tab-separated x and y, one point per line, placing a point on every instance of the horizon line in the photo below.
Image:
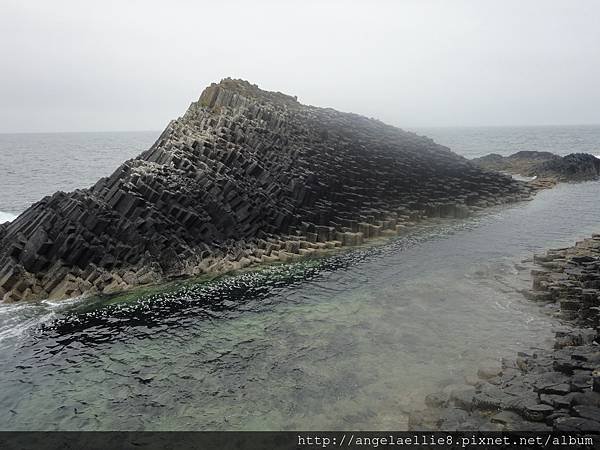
147	130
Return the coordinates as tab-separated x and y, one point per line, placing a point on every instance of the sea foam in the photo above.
6	217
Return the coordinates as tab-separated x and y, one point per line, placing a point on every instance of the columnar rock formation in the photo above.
244	176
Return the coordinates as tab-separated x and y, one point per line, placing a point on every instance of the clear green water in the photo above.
349	341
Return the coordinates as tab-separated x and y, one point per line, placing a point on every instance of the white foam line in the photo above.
22	326
14	324
6	217
61	303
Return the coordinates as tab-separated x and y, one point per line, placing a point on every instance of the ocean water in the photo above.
38	164
472	142
348	341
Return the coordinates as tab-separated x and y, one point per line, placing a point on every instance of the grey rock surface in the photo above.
245	176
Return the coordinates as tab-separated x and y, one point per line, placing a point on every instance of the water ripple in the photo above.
354	339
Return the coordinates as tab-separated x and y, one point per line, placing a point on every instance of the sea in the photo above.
354	340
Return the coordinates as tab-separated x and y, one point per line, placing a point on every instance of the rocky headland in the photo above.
547	168
542	390
245	176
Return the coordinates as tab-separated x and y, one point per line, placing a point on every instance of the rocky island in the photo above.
547	168
245	176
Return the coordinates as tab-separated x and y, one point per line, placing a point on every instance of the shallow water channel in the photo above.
353	340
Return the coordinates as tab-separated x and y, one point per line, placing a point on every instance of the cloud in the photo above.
111	65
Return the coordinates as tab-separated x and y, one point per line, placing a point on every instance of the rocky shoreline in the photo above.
245	177
546	168
544	390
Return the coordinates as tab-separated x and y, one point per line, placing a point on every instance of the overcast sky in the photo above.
134	65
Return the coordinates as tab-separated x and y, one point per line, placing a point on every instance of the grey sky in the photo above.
117	65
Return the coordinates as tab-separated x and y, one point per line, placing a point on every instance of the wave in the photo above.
18	320
522	178
6	217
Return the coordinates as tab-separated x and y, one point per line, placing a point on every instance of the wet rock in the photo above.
552	383
437	399
491	397
461	395
453	419
587	412
489	371
574	338
427	419
596	380
576	424
508	419
472	381
489	426
588	398
580	381
538	412
557	401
